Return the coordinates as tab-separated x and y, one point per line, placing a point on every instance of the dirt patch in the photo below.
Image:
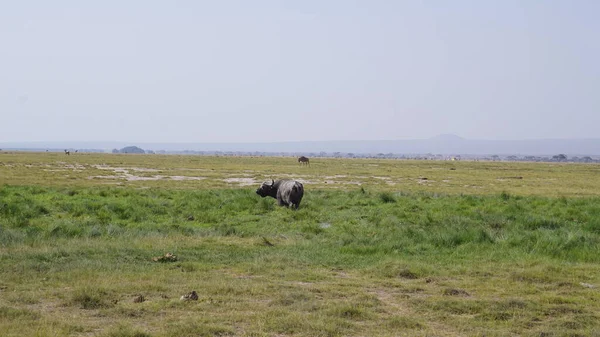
336	176
294	176
241	181
141	169
128	177
131	177
179	178
124	169
236	175
304	181
74	167
124	173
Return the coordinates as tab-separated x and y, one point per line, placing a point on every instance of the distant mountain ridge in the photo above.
447	137
443	144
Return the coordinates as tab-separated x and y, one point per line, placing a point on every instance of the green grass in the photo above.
373	259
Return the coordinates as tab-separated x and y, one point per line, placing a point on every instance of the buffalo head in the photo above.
266	189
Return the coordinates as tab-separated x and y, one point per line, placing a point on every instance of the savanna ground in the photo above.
377	248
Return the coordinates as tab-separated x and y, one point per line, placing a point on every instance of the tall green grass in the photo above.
356	223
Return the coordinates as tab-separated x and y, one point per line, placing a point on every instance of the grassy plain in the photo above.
475	249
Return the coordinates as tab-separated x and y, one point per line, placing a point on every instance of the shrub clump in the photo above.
387	197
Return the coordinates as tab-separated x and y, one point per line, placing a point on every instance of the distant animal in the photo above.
303	160
287	192
190	296
68	153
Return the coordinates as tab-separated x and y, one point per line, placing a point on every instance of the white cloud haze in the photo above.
261	71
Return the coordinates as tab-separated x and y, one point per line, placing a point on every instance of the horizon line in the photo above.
458	138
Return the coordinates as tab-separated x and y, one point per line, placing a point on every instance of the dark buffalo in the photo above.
287	192
303	160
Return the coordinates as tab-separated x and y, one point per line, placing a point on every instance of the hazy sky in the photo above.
254	71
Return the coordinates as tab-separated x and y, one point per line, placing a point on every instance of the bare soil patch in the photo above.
241	181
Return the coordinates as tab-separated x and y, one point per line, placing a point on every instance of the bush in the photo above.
387	197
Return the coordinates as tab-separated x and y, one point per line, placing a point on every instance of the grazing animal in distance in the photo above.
303	160
68	153
287	192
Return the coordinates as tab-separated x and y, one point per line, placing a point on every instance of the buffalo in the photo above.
287	192
303	160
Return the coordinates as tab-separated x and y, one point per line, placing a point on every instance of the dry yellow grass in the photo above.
198	172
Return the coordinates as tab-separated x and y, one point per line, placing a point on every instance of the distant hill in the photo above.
447	137
442	144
